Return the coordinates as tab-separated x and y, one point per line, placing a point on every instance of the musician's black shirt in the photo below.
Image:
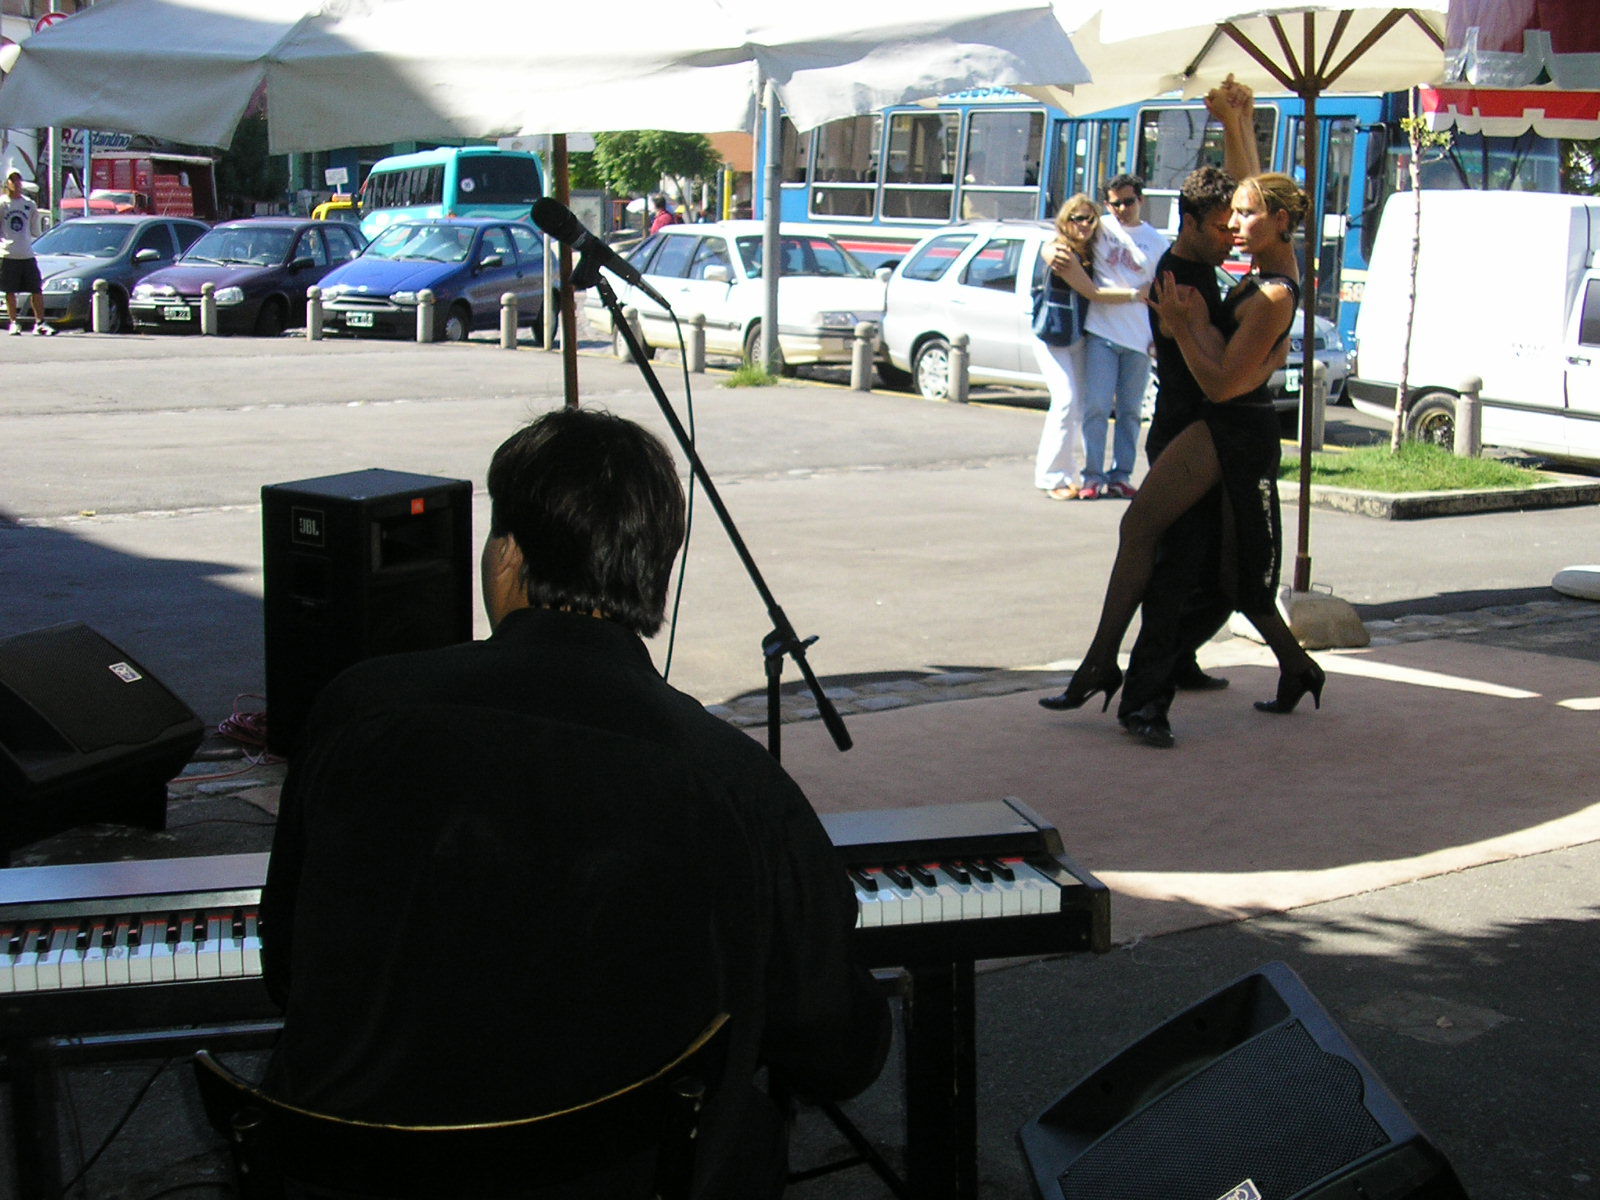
512	875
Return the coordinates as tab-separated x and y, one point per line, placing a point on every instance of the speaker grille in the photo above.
1279	1111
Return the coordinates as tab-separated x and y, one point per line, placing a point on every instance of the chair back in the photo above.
636	1143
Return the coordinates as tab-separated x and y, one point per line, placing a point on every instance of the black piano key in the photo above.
957	871
898	876
1000	869
862	879
979	871
922	875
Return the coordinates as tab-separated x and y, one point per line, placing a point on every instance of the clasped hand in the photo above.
1177	304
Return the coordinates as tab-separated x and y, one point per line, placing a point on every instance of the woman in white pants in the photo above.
1070	257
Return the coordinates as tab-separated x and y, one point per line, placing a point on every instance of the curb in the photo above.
1410	506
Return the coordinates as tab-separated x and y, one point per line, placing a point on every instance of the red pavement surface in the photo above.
1426	757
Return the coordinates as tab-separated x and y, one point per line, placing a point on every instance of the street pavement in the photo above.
1422	849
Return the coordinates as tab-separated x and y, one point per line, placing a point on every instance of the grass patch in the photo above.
750	376
1419	467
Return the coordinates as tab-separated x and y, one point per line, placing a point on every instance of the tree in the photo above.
1422	138
246	172
634	162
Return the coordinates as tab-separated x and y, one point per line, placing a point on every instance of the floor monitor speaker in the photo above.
1252	1094
87	733
357	565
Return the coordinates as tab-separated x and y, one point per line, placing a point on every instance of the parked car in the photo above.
261	267
978	278
119	249
467	263
337	208
715	269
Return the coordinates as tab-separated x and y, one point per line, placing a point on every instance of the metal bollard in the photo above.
508	320
697	343
100	307
208	309
425	315
1469	418
1318	395
861	355
959	357
313	313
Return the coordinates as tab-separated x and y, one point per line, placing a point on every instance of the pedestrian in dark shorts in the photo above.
19	269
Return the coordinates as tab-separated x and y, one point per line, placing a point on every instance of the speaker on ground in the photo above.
87	733
1252	1094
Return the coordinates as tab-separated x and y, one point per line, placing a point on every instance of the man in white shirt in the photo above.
19	269
1116	355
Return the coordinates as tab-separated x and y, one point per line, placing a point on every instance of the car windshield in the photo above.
804	256
85	239
264	247
423	242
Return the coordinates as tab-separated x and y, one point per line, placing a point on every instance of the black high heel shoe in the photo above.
1086	681
1292	687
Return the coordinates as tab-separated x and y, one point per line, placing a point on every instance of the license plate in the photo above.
175	312
1291	382
358	320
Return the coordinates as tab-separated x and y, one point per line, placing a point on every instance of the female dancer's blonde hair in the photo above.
1278	193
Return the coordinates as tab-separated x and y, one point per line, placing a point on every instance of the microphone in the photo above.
557	220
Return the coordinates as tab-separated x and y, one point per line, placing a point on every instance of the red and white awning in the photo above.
1507	112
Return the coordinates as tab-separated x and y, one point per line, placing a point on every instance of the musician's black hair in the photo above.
1206	189
595	506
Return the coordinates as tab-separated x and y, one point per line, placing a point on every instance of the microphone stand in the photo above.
783	640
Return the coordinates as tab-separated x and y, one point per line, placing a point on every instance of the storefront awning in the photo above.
1507	112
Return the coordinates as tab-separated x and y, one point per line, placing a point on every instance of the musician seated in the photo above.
511	875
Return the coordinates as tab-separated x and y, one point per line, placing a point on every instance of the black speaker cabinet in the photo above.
86	734
1252	1094
357	565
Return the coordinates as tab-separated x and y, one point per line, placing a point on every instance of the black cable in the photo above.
132	1108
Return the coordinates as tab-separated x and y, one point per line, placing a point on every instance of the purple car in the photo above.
261	268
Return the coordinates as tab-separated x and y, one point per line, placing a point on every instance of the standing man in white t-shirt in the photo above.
1116	353
19	269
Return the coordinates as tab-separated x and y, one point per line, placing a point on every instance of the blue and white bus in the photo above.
451	181
879	182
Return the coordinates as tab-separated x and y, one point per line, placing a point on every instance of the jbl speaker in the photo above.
1252	1094
357	565
86	734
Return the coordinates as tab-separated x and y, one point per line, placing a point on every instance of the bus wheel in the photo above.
931	369
1432	418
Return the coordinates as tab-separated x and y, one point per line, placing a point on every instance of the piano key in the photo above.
252	943
72	957
118	953
181	940
94	954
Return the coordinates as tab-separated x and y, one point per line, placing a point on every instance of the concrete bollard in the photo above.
697	343
862	352
508	320
959	357
313	313
100	307
631	316
208	309
1469	418
425	315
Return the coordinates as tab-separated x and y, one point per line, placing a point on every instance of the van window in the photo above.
1589	322
995	266
934	259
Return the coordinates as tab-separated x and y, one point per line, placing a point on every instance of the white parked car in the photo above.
715	269
977	278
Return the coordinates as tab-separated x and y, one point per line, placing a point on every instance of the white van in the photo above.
1507	289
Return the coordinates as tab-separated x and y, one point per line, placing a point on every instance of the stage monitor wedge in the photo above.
1252	1094
87	734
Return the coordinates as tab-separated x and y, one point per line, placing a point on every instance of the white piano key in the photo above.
209	930
989	894
26	969
49	962
185	953
1043	894
252	943
142	959
8	957
94	955
230	948
118	954
72	958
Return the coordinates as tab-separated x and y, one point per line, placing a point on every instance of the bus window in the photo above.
495	179
1174	141
1001	177
845	167
796	155
919	176
1335	188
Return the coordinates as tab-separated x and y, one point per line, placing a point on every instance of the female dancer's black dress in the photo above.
1245	433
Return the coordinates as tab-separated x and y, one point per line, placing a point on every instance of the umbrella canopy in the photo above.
1276	47
357	72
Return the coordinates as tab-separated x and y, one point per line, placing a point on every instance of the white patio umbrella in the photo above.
1277	47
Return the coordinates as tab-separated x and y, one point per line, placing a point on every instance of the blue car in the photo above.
467	263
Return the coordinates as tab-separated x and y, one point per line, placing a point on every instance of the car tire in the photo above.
121	320
930	369
273	317
753	354
457	323
892	376
1432	418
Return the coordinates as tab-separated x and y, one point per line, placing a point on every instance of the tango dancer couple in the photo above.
1203	536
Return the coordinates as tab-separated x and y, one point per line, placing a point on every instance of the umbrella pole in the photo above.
1313	145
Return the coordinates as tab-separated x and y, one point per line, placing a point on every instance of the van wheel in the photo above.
1432	418
930	369
755	353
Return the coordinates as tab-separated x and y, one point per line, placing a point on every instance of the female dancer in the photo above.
1235	443
1070	258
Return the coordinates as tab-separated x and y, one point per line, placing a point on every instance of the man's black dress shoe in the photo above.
1191	678
1151	728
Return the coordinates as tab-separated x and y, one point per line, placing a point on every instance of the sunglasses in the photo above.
1082	219
1123	203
